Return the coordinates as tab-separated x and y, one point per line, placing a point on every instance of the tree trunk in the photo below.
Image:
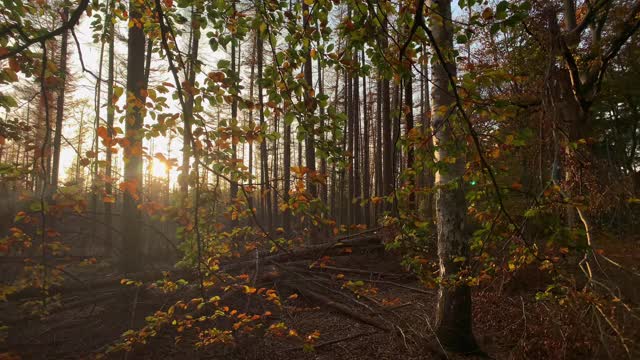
131	215
453	317
366	176
233	187
108	217
310	148
357	219
57	137
310	106
408	103
387	146
323	160
379	176
188	113
264	155
427	175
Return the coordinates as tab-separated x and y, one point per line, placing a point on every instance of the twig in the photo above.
73	20
331	342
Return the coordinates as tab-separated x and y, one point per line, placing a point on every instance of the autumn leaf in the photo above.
13	64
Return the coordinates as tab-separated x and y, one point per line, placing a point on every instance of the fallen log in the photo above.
358	271
111	281
303	253
341	308
331	342
309	252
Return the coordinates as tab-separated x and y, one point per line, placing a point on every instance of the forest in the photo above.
319	179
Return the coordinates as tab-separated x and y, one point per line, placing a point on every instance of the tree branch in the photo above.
73	20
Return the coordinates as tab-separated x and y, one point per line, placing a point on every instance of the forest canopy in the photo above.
453	177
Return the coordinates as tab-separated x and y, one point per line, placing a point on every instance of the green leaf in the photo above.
224	64
462	39
459	259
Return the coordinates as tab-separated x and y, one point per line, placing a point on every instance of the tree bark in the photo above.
108	217
366	185
131	215
453	317
57	137
387	146
233	187
188	114
264	155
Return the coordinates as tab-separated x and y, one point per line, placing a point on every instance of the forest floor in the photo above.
391	317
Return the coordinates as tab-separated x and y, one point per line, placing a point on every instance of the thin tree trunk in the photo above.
350	143
366	186
379	177
408	103
323	160
57	137
310	150
188	110
274	192
428	173
233	187
387	146
108	217
357	219
310	105
264	155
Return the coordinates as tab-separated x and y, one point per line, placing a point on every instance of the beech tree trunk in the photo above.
131	215
453	317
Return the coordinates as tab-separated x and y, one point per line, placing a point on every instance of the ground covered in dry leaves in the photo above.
508	321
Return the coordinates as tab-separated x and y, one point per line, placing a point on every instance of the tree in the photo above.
453	316
108	217
135	110
310	148
57	137
188	115
264	155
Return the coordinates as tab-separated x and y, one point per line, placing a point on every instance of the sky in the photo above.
86	88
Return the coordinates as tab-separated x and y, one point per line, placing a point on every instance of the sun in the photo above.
158	168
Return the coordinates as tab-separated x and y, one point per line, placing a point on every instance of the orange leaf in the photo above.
13	64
